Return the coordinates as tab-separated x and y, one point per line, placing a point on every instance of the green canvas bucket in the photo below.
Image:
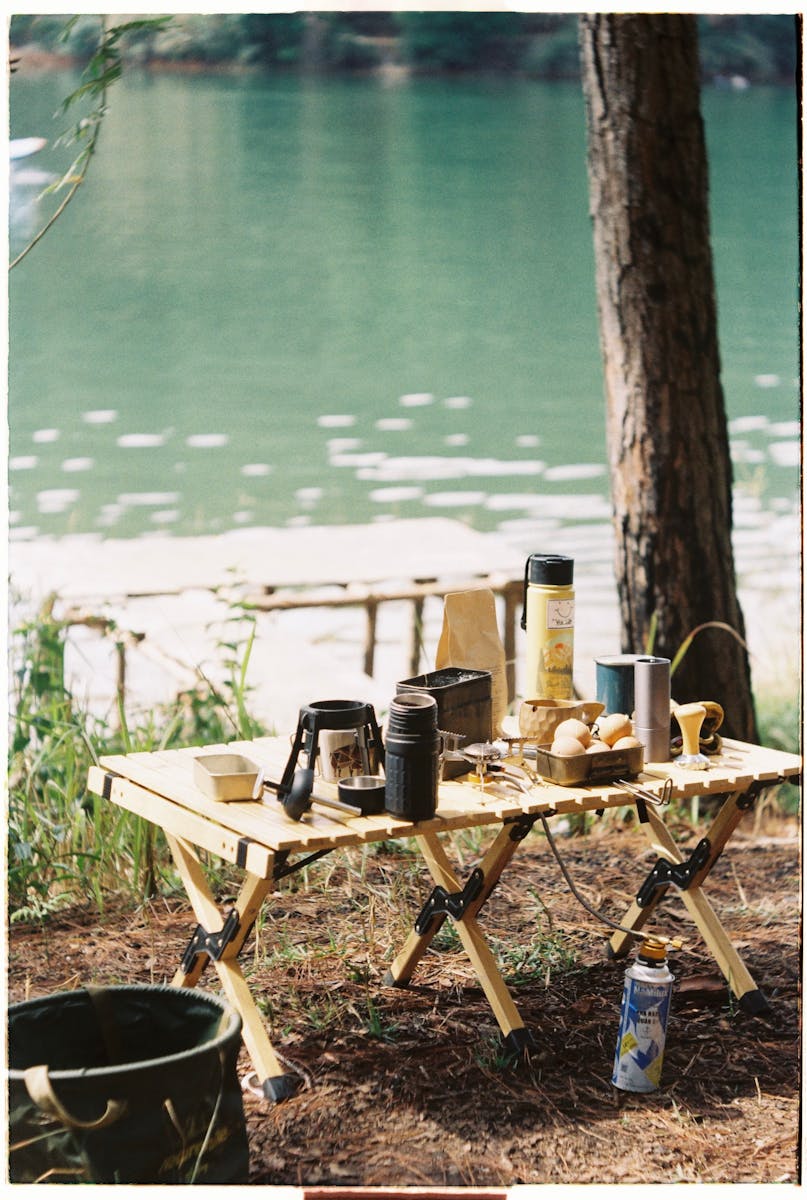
125	1085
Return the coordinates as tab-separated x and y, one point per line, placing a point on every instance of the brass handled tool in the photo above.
690	719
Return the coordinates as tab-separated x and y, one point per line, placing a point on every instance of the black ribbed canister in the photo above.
412	757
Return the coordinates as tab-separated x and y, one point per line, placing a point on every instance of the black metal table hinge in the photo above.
521	826
680	875
450	904
752	794
211	944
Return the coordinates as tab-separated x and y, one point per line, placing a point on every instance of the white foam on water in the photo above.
110	515
14	518
496	466
207	441
767	381
308	495
147	499
456	439
43	436
140	441
23	462
298	521
580	508
56	500
458	402
165	516
341	445
528	440
513	500
369	458
785	454
256	470
575	471
399	470
23	533
785	429
394	495
242	517
393	424
100	416
529	526
431	468
453	499
748	424
336	420
744	452
78	464
416	399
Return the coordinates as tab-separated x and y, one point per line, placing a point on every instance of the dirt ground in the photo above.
408	1087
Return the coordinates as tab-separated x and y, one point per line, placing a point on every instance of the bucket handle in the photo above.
40	1089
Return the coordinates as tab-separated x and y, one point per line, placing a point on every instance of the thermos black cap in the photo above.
555	570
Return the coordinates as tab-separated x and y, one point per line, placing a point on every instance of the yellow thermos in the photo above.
548	618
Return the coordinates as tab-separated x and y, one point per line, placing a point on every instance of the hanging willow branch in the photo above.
105	66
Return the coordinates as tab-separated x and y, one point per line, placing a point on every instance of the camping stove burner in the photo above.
482	755
482	752
486	758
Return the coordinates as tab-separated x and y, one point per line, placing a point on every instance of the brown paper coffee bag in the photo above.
470	638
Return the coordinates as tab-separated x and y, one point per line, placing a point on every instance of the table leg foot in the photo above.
518	1042
755	1003
279	1087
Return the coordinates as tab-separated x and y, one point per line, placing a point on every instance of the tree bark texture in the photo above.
666	426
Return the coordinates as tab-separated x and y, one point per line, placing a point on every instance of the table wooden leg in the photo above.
495	860
274	1083
477	949
740	981
728	818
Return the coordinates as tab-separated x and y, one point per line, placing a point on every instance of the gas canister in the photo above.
643	1020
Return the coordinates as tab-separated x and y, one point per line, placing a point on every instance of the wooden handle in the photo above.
690	718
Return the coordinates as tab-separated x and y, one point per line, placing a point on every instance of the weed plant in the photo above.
65	845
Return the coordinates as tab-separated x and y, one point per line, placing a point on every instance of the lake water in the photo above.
281	301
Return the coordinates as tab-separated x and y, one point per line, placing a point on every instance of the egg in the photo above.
626	743
574	729
613	727
595	746
565	747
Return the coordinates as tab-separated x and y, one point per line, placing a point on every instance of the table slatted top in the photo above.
169	776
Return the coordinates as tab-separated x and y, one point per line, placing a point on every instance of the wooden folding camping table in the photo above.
266	844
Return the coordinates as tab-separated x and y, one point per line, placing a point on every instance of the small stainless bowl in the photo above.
363	791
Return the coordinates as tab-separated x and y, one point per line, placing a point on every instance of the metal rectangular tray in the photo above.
225	776
604	767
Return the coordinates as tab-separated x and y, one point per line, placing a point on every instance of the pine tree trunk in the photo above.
666	425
